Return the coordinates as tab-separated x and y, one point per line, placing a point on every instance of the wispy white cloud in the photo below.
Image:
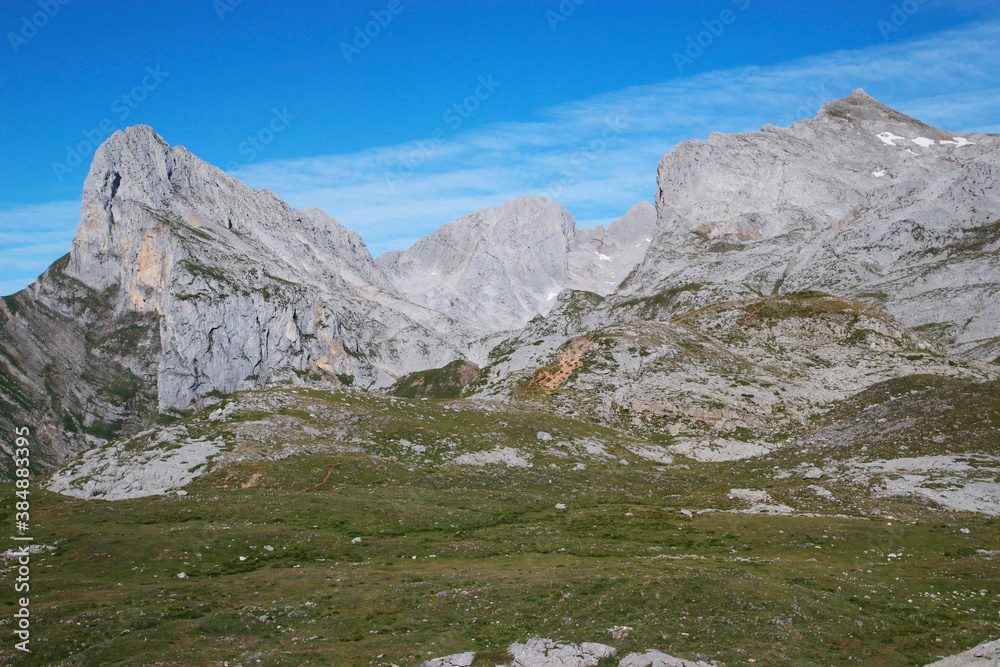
31	238
596	156
394	194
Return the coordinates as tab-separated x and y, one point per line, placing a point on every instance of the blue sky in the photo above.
445	107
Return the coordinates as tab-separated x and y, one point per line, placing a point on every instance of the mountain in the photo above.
184	285
862	201
515	260
756	423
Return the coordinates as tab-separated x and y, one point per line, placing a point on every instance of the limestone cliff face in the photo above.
247	289
497	268
861	201
183	284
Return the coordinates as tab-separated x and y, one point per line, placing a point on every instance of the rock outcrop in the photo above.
986	654
539	652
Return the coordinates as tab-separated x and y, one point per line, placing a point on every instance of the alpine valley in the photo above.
756	423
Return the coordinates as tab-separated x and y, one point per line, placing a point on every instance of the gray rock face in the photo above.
653	658
547	653
184	284
117	472
495	269
457	660
248	290
861	201
724	381
986	654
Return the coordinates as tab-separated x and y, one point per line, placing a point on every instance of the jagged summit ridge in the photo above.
138	183
861	201
497	268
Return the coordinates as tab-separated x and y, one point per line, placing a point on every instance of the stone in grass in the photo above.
750	495
653	658
182	575
813	473
539	652
543	436
821	492
356	540
457	660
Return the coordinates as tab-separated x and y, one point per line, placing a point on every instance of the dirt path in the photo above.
329	472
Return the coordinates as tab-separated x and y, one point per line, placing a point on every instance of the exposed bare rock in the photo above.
986	654
497	268
457	660
652	658
861	201
547	653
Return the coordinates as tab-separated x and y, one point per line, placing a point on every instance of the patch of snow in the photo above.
924	142
603	258
888	138
551	296
957	141
879	174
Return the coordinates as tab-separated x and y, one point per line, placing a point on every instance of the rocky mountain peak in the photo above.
497	268
867	113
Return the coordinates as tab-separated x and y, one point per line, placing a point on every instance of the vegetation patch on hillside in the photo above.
445	382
